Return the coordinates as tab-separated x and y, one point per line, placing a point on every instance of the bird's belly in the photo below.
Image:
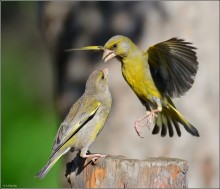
141	83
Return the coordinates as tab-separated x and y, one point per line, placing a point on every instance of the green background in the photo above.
29	118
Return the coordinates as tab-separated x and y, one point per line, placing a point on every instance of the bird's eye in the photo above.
103	77
114	46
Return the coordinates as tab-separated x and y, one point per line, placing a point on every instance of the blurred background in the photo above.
40	82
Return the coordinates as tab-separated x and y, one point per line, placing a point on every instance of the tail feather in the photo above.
170	128
43	172
191	129
156	129
53	159
169	118
164	130
177	127
164	125
158	124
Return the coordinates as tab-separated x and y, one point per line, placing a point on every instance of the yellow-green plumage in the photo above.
84	121
163	71
138	82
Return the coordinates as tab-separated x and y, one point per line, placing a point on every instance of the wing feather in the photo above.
79	114
173	66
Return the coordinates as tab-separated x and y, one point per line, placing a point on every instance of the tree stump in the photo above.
119	172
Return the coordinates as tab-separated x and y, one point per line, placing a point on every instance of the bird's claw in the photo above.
148	126
150	118
137	126
96	157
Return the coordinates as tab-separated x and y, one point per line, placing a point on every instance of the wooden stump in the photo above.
119	172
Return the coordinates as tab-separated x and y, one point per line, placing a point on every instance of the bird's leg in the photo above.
150	115
93	156
138	126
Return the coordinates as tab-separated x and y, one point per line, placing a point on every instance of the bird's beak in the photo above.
93	48
108	54
105	71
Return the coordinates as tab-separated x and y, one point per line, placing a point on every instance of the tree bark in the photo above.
119	172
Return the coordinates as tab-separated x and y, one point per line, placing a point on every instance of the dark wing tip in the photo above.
181	41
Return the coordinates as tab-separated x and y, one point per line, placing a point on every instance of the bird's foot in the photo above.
150	117
95	157
150	120
137	127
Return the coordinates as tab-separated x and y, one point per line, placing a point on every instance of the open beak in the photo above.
93	48
108	54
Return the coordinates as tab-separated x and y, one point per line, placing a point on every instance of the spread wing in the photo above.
173	66
81	112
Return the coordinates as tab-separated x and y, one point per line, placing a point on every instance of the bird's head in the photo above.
97	81
118	46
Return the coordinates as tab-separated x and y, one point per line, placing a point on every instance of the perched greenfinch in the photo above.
163	71
84	122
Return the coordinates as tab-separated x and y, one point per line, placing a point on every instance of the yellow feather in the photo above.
142	83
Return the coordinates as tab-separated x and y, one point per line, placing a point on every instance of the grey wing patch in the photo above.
66	124
82	111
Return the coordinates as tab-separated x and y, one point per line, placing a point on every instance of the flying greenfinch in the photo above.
84	122
163	71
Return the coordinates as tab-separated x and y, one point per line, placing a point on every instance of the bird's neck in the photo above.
131	66
135	56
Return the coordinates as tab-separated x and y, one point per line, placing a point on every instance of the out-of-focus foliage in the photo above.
28	114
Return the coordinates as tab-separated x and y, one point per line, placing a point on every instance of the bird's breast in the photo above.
137	75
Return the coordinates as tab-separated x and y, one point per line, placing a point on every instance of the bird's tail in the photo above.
170	117
53	159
